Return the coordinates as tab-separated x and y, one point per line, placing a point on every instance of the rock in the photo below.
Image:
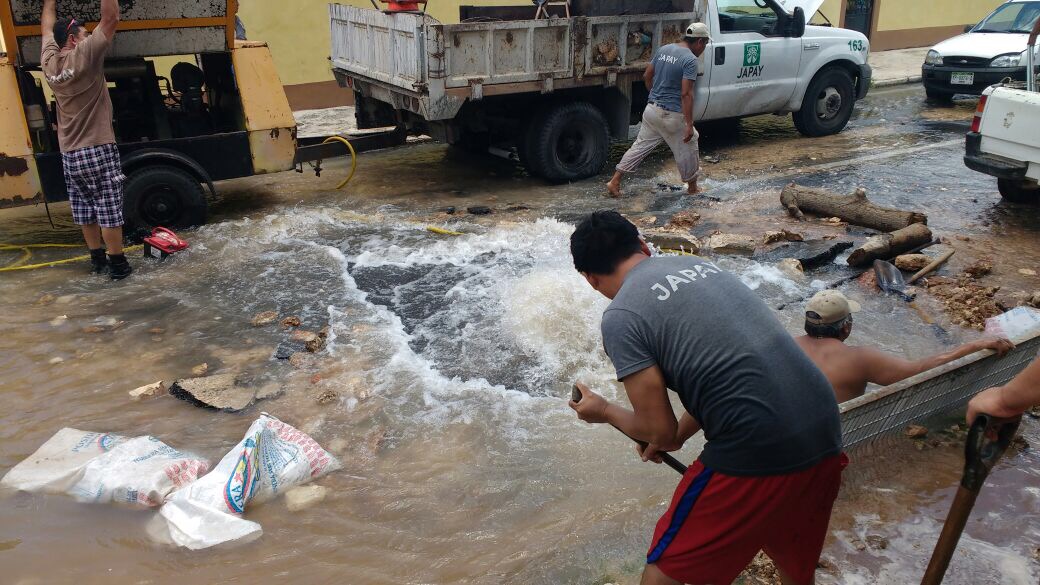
324	332
1034	300
200	370
450	210
45	299
265	318
292	321
912	262
967	303
93	329
732	244
683	220
315	345
916	432
304	496
1007	300
300	360
303	336
1027	271
153	389
1034	412
979	268
811	254
156	331
791	268
859	544
877	542
222	391
327	397
518	207
55	360
1020	442
775	236
761	571
868	280
673	241
645	221
832	220
479	210
826	565
59	320
65	299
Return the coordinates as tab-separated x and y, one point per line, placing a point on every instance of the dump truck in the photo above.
220	114
555	91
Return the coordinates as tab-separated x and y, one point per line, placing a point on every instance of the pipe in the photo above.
1030	44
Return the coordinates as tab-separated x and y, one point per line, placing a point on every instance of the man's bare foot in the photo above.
693	189
614	189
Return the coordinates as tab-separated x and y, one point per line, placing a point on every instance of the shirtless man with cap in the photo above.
828	323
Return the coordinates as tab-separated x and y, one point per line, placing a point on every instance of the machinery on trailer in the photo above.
220	114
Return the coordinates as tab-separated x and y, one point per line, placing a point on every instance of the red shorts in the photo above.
717	523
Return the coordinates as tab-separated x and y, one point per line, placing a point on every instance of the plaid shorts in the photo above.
94	180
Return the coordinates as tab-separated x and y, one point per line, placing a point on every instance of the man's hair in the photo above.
65	28
831	330
603	240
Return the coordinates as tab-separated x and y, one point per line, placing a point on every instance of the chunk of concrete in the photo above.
775	236
222	391
732	244
264	318
673	241
153	389
304	496
811	254
912	262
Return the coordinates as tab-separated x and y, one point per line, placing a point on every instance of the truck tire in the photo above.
827	105
566	142
162	195
1019	190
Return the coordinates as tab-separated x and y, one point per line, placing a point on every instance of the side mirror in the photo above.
968	27
798	23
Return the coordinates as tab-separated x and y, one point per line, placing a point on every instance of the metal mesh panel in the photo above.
933	392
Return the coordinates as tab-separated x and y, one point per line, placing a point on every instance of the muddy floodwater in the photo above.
450	357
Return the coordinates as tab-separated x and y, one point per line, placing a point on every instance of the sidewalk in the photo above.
897	67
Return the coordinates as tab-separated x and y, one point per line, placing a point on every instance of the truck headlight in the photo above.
933	58
1006	60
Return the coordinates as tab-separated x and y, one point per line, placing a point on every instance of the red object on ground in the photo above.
717	523
402	5
163	243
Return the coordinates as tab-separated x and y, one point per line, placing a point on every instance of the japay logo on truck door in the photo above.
246	478
752	61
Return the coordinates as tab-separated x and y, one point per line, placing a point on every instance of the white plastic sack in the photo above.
100	467
1016	324
272	458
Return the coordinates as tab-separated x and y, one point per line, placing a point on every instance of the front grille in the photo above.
966	61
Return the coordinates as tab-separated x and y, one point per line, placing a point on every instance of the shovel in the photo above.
890	280
987	441
665	457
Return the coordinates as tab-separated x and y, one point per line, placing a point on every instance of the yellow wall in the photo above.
903	14
832	10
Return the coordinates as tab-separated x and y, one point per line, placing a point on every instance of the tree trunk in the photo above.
854	208
889	245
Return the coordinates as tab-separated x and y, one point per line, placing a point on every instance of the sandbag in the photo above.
271	458
102	468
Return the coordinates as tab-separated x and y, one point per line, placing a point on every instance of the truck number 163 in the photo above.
857	46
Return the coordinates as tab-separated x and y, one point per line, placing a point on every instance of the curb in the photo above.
896	81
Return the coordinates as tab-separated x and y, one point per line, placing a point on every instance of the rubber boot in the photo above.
119	267
98	261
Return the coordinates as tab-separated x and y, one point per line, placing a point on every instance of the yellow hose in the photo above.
680	252
17	264
353	158
442	231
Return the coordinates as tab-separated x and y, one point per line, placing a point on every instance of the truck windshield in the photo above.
1014	17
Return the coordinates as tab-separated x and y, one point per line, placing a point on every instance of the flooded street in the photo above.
450	358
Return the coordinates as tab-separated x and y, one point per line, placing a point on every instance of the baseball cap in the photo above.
697	30
829	306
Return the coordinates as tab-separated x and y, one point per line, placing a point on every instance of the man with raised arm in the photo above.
772	465
72	60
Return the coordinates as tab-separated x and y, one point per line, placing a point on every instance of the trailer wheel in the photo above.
1019	190
827	105
567	142
162	195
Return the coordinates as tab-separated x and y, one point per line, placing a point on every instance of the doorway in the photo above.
858	15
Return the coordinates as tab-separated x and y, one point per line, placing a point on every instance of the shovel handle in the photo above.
665	457
987	440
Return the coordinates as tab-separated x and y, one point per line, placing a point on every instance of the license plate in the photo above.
962	78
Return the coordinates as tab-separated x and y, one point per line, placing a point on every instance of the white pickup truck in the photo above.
1003	141
558	89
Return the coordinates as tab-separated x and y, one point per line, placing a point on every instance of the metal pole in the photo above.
1030	43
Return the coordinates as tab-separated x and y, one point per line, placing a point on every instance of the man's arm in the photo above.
651	420
1010	400
884	369
109	18
687	107
648	76
47	19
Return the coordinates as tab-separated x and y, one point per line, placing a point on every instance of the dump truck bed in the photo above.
415	62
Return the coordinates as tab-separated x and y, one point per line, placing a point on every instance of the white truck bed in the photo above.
416	63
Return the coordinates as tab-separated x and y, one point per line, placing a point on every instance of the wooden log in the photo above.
854	208
888	245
